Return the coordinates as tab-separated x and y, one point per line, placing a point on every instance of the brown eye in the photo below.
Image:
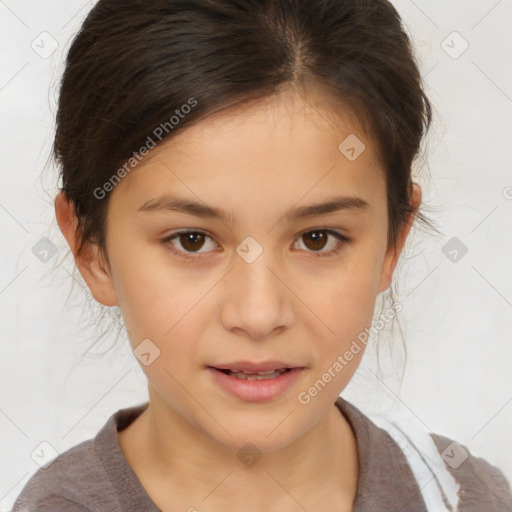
188	244
192	241
317	239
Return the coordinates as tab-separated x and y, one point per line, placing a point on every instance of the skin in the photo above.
258	162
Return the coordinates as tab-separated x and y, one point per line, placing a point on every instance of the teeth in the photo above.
260	373
257	376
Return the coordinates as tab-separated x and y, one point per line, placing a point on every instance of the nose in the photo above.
257	301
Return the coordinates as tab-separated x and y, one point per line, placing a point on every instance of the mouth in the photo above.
271	374
254	384
255	371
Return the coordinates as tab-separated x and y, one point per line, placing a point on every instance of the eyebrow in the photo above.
334	204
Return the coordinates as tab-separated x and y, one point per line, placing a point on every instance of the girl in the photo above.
237	180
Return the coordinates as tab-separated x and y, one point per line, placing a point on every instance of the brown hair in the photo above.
134	65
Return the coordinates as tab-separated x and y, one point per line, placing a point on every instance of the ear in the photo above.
90	263
392	254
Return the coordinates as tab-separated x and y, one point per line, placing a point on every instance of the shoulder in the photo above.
64	482
481	483
396	447
52	503
75	480
90	476
462	478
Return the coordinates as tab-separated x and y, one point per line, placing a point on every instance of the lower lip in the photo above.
256	390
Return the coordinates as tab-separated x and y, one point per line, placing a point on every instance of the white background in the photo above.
457	317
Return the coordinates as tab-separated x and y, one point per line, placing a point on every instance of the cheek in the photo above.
348	295
157	300
345	302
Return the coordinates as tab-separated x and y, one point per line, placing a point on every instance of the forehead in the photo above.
274	151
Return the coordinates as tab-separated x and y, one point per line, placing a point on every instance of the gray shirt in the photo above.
95	476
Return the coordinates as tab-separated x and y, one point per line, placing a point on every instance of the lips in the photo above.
255	387
253	368
256	376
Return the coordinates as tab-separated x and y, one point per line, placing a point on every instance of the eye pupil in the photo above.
317	236
191	238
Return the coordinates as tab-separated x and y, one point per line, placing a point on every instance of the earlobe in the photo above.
393	254
90	262
388	267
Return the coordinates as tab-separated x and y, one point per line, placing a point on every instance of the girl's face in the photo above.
260	282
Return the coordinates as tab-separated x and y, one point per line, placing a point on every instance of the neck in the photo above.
178	463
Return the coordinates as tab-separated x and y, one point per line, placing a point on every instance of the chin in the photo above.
265	436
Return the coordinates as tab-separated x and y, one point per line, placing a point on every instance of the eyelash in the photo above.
341	238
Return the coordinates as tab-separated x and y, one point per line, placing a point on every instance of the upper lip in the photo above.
248	366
